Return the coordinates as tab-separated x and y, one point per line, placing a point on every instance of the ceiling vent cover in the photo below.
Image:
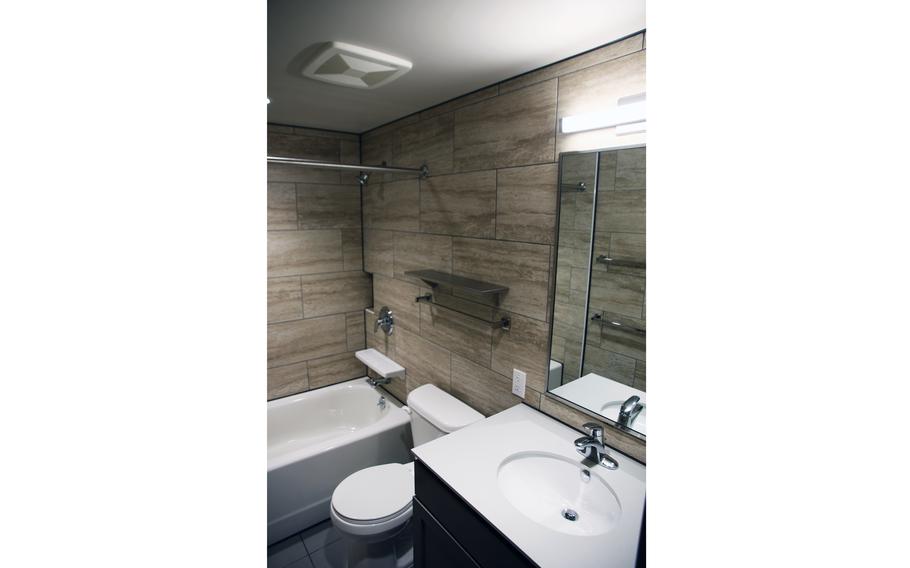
352	66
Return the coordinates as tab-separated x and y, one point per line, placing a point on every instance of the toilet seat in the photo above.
374	500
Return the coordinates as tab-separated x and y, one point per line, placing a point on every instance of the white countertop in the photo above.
469	460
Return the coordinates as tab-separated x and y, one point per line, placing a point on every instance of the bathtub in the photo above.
317	438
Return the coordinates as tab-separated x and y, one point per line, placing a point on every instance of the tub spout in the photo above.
379	381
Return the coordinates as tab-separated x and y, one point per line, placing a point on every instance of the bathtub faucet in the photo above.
379	381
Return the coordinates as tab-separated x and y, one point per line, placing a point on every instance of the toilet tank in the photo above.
434	413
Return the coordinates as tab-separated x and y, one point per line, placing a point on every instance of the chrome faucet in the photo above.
385	321
592	446
378	381
630	409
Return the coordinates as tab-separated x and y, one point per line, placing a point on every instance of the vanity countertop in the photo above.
473	462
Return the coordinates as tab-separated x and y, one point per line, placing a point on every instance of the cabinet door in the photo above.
433	546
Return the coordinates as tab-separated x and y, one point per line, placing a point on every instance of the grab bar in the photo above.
617	322
502	321
580	186
604	259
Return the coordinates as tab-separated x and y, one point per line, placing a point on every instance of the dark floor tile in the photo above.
304	562
331	556
284	552
319	536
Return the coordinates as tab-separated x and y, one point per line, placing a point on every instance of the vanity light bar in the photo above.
632	128
628	110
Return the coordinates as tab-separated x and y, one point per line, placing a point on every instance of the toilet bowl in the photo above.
374	502
371	508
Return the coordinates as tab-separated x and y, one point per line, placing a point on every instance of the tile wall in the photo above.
573	253
617	290
488	211
317	289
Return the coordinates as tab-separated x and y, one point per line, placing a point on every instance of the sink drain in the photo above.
570	514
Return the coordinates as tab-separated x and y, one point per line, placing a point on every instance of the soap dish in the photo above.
379	363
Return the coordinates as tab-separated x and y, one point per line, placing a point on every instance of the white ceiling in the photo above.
456	46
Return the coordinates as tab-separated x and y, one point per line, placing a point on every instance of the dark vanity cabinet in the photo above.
448	533
433	545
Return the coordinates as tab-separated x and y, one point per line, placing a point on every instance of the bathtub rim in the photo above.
398	415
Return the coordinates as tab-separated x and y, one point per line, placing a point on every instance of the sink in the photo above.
561	494
639	423
526	479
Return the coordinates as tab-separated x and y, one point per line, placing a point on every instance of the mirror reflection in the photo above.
597	353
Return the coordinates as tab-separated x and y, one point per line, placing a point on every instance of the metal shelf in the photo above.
435	278
469	286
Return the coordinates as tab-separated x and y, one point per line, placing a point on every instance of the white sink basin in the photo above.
560	494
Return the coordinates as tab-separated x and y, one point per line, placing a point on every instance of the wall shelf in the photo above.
459	283
475	288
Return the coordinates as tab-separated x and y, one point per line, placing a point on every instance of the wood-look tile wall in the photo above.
573	255
619	233
317	288
488	211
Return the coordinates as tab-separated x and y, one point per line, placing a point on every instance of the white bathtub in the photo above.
318	438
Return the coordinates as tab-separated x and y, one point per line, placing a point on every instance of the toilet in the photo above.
371	507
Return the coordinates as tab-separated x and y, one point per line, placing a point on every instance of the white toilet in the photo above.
371	508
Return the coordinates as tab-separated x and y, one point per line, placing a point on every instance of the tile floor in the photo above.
319	546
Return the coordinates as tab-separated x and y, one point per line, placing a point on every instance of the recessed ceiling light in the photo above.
354	66
268	101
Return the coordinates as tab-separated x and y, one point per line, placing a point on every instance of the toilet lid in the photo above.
375	492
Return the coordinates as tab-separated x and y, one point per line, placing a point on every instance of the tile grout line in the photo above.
456	236
302	303
496	204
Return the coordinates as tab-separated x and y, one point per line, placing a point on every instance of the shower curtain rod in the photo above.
423	171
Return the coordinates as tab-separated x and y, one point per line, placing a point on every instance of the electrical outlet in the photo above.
519	379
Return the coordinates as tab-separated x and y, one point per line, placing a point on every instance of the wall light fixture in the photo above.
628	111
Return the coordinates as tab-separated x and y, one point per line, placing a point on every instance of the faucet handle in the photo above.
594	430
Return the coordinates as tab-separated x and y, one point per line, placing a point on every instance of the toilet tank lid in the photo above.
441	409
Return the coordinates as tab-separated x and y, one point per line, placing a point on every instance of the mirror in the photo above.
597	343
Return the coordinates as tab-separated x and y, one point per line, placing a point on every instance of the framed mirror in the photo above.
597	343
